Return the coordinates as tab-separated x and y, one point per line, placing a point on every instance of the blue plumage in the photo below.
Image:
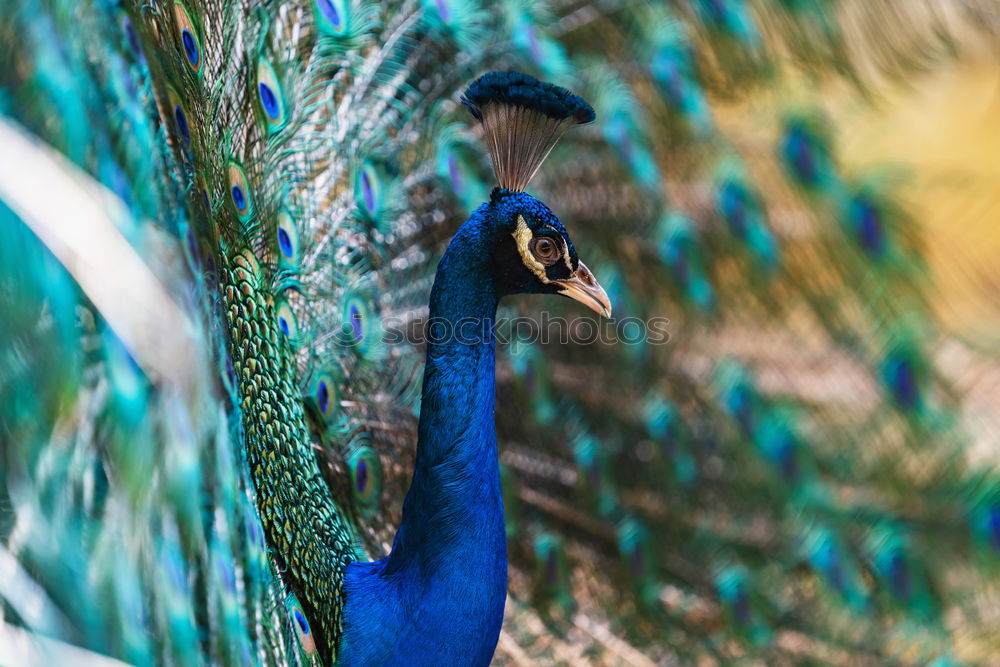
447	569
437	599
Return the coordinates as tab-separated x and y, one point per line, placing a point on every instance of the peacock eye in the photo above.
545	250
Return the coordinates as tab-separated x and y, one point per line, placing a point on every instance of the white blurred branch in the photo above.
74	216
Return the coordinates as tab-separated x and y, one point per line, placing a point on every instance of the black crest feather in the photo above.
523	119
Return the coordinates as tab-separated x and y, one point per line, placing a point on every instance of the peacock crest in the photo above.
522	119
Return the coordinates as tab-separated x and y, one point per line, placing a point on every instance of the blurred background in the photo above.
807	190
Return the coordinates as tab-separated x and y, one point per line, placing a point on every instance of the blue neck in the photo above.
438	597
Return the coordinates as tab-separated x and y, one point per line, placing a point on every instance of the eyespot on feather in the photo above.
366	476
180	121
188	39
868	223
287	323
209	255
302	627
368	191
270	96
355	319
324	397
239	191
333	16
287	238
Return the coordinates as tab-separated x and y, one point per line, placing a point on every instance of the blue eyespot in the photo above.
993	526
239	191
178	120
740	403
284	242
323	397
361	474
868	225
870	229
804	153
300	619
188	34
182	125
268	100
905	384
732	201
286	320
302	628
354	320
239	200
272	101
288	239
190	48
324	394
354	314
786	458
899	576
366	474
741	607
332	16
366	189
206	252
330	12
804	161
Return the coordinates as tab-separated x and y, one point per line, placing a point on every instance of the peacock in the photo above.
261	401
447	568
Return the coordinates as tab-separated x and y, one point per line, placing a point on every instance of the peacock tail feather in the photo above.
219	224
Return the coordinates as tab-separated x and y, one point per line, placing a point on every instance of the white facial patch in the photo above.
522	236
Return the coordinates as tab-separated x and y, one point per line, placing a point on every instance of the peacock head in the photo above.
522	118
535	255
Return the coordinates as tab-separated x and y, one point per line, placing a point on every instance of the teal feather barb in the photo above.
220	224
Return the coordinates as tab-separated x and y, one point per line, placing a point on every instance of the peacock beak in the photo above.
583	287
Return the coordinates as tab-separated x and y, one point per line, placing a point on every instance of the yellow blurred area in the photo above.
944	128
